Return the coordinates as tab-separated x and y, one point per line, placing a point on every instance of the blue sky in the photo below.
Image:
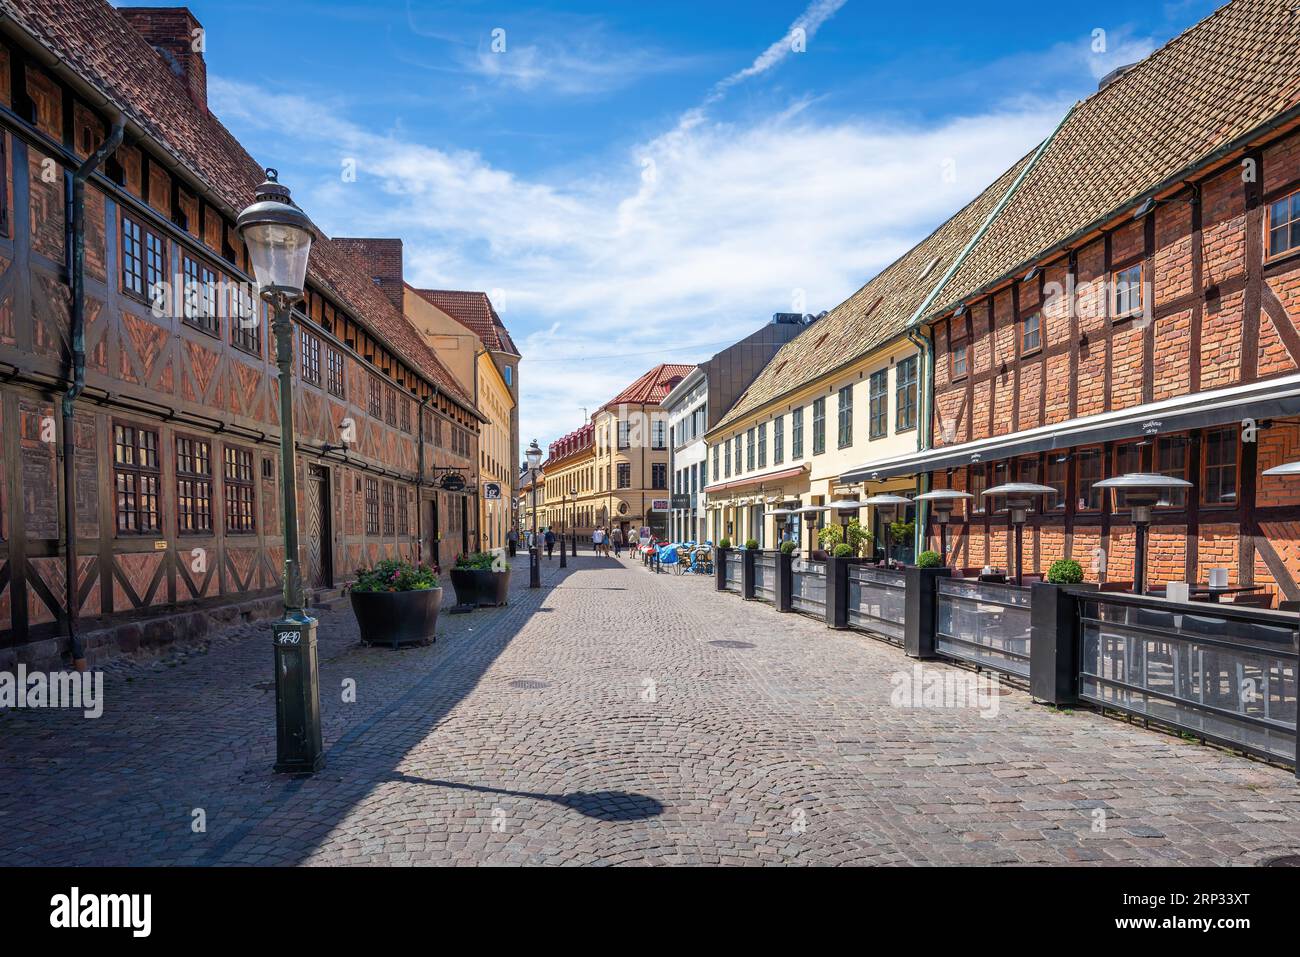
638	182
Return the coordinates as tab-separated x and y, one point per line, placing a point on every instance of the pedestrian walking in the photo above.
598	537
549	539
617	536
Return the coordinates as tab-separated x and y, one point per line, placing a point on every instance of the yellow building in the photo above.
570	483
465	331
618	462
840	396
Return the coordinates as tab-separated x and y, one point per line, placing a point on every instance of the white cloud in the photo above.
670	265
666	253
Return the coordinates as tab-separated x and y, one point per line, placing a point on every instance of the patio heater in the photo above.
1139	491
782	515
1019	497
843	507
810	513
888	506
943	501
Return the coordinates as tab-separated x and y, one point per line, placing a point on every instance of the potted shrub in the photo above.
929	559
751	543
788	548
396	603
842	550
1065	571
481	579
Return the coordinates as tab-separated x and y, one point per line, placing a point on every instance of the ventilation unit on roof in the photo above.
787	318
1114	75
929	267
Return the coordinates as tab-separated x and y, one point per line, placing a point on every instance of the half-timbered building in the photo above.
174	454
1133	305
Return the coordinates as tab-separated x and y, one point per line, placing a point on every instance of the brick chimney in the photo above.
178	37
382	261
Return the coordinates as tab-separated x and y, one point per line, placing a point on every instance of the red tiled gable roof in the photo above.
651	388
99	45
474	311
577	441
1224	77
1230	74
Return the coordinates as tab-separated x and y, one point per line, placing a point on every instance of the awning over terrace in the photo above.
1276	398
750	481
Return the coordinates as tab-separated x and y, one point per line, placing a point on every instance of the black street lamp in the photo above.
943	500
1019	499
279	237
1139	491
564	521
534	455
889	506
573	525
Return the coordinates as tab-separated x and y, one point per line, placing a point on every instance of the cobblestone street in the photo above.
617	717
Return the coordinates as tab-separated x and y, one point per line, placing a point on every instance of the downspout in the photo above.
925	342
419	484
77	343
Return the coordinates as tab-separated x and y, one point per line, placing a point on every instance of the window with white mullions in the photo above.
1128	291
1284	224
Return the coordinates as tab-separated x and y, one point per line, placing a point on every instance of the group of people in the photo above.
602	538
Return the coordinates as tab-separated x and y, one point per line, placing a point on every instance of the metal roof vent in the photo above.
1114	75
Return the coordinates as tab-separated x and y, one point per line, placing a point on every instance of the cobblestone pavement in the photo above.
599	720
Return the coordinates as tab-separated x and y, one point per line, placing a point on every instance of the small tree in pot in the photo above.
481	579
396	603
1065	571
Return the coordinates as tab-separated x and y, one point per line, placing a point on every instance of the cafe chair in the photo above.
1261	599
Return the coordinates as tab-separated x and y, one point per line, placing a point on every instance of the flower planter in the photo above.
397	617
480	586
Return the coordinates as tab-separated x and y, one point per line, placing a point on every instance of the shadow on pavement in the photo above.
602	805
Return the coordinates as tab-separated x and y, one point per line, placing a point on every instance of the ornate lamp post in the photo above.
943	500
1139	491
889	505
279	237
1019	498
534	456
573	524
564	520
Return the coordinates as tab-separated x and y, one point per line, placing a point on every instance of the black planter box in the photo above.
480	587
397	617
720	568
784	580
747	557
921	606
837	590
1054	642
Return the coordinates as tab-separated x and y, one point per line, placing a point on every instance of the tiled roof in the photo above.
1227	75
876	313
474	311
100	46
651	388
